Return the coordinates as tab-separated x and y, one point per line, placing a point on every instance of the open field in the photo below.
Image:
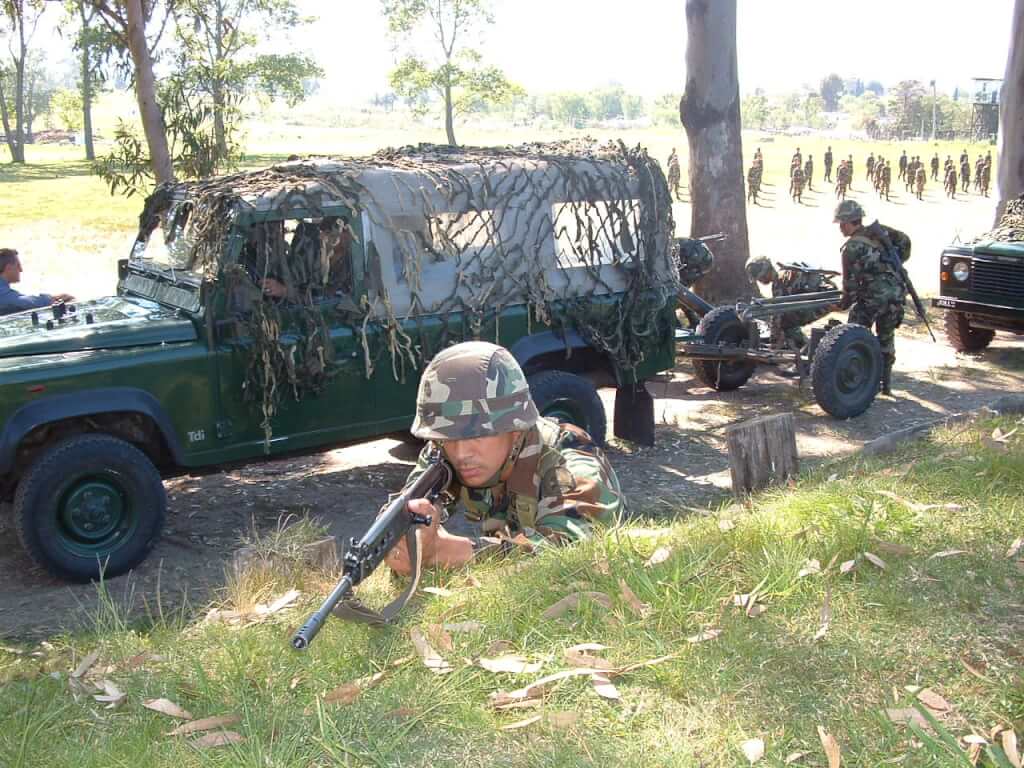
71	231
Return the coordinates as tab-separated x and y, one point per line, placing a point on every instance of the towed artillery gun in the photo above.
727	343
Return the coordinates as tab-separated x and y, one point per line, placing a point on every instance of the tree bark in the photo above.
86	88
1011	117
145	90
762	451
710	113
449	121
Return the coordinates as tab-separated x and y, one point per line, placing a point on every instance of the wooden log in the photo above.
761	451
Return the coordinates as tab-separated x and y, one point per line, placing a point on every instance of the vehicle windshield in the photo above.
171	243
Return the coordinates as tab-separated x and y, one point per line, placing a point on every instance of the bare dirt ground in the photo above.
344	487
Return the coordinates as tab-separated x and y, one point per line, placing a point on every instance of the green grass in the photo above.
913	624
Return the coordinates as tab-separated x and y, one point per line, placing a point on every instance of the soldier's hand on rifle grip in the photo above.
398	558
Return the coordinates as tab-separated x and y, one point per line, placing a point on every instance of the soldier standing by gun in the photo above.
753	181
875	285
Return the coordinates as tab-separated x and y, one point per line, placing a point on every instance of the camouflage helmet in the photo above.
694	258
760	269
473	389
849	210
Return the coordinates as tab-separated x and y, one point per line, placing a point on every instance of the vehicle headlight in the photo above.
961	271
946	261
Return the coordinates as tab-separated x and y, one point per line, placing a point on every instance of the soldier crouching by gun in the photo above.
791	280
529	481
875	284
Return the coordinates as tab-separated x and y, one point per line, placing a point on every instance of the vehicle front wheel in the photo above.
567	397
90	505
962	337
847	371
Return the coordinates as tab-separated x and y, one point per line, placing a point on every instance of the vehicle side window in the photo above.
596	233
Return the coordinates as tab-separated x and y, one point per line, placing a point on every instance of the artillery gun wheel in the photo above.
723	326
962	337
567	397
90	506
846	371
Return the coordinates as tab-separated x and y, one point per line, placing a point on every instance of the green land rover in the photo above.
292	308
981	284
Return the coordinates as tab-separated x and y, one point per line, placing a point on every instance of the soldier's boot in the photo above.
887	378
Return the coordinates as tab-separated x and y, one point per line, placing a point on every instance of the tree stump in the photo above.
761	451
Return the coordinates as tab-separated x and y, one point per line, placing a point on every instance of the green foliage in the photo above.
832	89
66	109
906	105
454	72
666	109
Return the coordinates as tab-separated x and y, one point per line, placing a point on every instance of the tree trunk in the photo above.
90	151
219	99
449	121
18	148
762	451
710	113
145	90
1011	117
5	119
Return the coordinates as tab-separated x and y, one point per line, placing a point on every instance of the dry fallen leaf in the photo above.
632	601
973	738
660	555
753	749
906	715
848	566
1001	437
947	553
1015	548
792	757
825	615
498	647
86	664
505	699
1009	743
572	602
437	591
726	525
604	688
831	747
934	701
281	603
704	634
206	724
578	656
511	663
431	659
811	567
219	739
522	723
463	626
440	637
875	560
112	696
167	707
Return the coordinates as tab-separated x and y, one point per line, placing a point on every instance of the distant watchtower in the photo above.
985	108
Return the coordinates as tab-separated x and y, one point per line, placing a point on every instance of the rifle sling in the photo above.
353	609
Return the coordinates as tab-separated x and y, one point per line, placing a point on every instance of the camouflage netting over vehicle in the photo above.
1011	224
460	230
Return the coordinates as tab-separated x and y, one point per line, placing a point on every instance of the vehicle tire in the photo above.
90	504
723	326
962	337
846	371
570	398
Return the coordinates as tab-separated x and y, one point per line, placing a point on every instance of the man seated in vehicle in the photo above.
313	247
526	479
788	283
12	300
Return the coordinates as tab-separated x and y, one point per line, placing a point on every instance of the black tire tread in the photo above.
709	372
555	383
962	337
823	367
52	462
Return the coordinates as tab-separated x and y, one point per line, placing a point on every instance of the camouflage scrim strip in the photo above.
473	389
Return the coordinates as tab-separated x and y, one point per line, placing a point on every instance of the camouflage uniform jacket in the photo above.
790	282
560	485
865	276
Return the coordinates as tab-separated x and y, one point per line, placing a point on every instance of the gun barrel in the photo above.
311	628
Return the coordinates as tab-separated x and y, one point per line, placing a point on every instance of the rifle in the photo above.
363	556
801	267
890	257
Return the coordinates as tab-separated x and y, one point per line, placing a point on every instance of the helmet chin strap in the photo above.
517	447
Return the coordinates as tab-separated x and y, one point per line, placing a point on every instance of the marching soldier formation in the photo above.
913	171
